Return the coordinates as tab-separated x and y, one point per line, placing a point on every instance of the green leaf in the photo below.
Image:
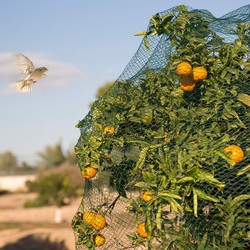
227	77
149	177
193	172
141	184
243	170
223	73
170	195
231	112
158	218
154	33
225	156
185	179
175	205
94	142
203	175
181	160
205	196
237	200
145	41
180	8
146	114
141	33
119	141
202	245
163	182
167	18
142	157
195	202
244	98
96	113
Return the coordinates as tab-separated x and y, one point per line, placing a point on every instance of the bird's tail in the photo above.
21	87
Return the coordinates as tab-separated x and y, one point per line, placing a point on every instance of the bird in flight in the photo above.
30	72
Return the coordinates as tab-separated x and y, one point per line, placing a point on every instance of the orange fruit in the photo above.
99	222
146	196
184	69
142	230
199	73
165	135
187	83
88	217
235	153
99	240
109	130
88	173
187	87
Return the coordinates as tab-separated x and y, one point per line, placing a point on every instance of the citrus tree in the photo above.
180	137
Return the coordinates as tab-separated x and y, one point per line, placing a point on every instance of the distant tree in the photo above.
53	189
26	168
8	162
71	157
102	90
52	156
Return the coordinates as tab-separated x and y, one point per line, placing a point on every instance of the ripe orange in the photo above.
99	240
199	73
88	217
88	173
98	222
187	83
142	230
187	87
165	135
109	130
184	69
146	196
235	153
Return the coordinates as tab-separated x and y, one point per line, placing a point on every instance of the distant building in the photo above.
15	183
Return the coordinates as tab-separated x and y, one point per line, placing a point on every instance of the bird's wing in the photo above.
24	64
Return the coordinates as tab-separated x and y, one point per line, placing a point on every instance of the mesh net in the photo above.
165	151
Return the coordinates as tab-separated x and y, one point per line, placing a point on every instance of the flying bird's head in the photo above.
43	70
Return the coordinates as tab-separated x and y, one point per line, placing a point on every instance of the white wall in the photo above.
15	183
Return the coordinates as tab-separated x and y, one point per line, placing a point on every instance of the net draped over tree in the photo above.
165	151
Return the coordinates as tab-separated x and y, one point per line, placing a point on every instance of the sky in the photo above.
83	44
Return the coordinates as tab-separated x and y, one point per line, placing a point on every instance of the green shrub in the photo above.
53	189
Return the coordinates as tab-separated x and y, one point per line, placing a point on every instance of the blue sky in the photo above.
84	44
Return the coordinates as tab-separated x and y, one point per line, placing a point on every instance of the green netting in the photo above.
170	144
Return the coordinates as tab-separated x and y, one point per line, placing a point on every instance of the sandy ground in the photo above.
34	228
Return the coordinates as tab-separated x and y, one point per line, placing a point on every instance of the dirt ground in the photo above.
34	228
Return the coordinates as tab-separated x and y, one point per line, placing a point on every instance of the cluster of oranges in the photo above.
98	222
141	229
95	220
187	83
189	75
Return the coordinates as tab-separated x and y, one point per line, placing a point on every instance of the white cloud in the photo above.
59	74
